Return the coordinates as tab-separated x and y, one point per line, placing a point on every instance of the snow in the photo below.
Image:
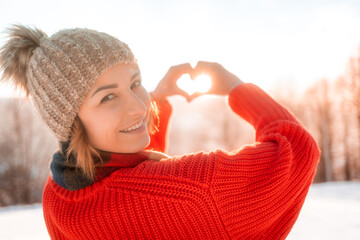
331	211
22	222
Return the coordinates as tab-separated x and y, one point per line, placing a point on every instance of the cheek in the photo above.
98	125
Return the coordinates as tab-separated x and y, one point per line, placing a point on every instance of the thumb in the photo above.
183	93
195	95
155	155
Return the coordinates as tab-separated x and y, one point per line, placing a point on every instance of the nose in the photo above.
135	106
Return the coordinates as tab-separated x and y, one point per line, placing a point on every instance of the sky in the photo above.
268	43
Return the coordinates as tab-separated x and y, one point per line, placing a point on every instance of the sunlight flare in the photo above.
201	84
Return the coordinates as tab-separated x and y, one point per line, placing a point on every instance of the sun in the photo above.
201	84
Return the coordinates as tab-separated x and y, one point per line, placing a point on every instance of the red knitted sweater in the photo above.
254	192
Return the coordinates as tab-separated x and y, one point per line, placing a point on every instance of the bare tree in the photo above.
319	101
25	151
353	86
346	124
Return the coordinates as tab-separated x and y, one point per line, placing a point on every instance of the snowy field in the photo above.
331	212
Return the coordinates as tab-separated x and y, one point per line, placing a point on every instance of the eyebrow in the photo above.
112	85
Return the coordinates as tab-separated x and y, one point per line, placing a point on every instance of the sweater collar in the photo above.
67	175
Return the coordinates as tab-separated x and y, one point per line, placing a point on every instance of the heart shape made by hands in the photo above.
201	83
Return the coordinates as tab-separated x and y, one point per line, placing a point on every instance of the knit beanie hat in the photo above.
58	71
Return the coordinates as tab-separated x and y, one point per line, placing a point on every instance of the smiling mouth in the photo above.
133	127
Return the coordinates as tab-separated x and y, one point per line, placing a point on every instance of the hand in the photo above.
222	80
168	87
154	155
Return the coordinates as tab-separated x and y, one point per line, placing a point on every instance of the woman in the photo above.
110	178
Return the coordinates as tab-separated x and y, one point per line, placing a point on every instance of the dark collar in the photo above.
67	175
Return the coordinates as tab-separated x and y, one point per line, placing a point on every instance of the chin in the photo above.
145	144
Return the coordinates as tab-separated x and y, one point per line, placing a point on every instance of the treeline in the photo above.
330	110
26	146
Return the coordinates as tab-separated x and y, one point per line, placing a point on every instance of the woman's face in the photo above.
116	111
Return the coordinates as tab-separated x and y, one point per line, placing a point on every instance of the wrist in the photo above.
235	84
156	96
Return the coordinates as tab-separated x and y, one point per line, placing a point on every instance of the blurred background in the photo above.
305	54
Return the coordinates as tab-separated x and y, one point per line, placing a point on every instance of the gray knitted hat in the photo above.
58	71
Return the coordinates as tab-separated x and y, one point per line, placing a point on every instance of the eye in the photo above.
107	98
136	84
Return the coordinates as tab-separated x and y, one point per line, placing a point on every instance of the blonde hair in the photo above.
87	157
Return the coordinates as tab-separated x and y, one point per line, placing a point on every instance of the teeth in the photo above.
136	126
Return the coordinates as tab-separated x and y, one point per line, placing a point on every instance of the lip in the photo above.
136	131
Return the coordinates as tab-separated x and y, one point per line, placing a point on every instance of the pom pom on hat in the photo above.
16	53
58	71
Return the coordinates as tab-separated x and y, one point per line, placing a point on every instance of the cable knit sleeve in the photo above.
260	188
158	140
257	191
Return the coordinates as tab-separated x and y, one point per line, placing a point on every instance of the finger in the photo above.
183	66
200	68
183	93
180	69
195	95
